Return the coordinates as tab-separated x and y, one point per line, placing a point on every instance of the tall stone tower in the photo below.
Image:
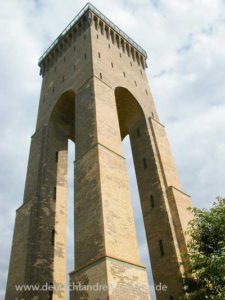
95	92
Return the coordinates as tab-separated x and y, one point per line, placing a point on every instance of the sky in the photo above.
185	42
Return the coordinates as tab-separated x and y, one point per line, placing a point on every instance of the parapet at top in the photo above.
90	7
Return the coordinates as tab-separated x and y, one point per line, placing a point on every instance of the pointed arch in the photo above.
129	110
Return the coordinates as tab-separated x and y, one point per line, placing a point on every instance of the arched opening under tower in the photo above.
63	114
62	122
130	115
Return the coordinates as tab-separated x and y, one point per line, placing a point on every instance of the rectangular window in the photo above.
138	132
53	237
161	248
54	193
152	201
145	163
51	291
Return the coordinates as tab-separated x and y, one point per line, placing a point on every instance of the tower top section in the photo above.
88	14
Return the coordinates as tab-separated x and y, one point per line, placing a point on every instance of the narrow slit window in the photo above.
85	56
161	248
152	200
51	294
135	83
99	55
138	132
101	75
53	237
50	290
54	193
124	74
145	163
97	36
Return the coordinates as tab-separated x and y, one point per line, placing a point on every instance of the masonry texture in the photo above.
95	92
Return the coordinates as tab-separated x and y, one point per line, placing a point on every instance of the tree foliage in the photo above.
205	263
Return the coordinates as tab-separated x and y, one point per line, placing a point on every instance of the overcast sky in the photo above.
185	42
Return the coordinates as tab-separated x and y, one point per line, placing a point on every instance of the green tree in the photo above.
205	264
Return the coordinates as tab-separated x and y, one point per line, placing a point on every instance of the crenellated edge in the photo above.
87	16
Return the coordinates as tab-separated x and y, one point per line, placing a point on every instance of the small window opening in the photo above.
54	193
53	237
56	156
152	200
50	288
145	163
101	75
138	132
161	248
